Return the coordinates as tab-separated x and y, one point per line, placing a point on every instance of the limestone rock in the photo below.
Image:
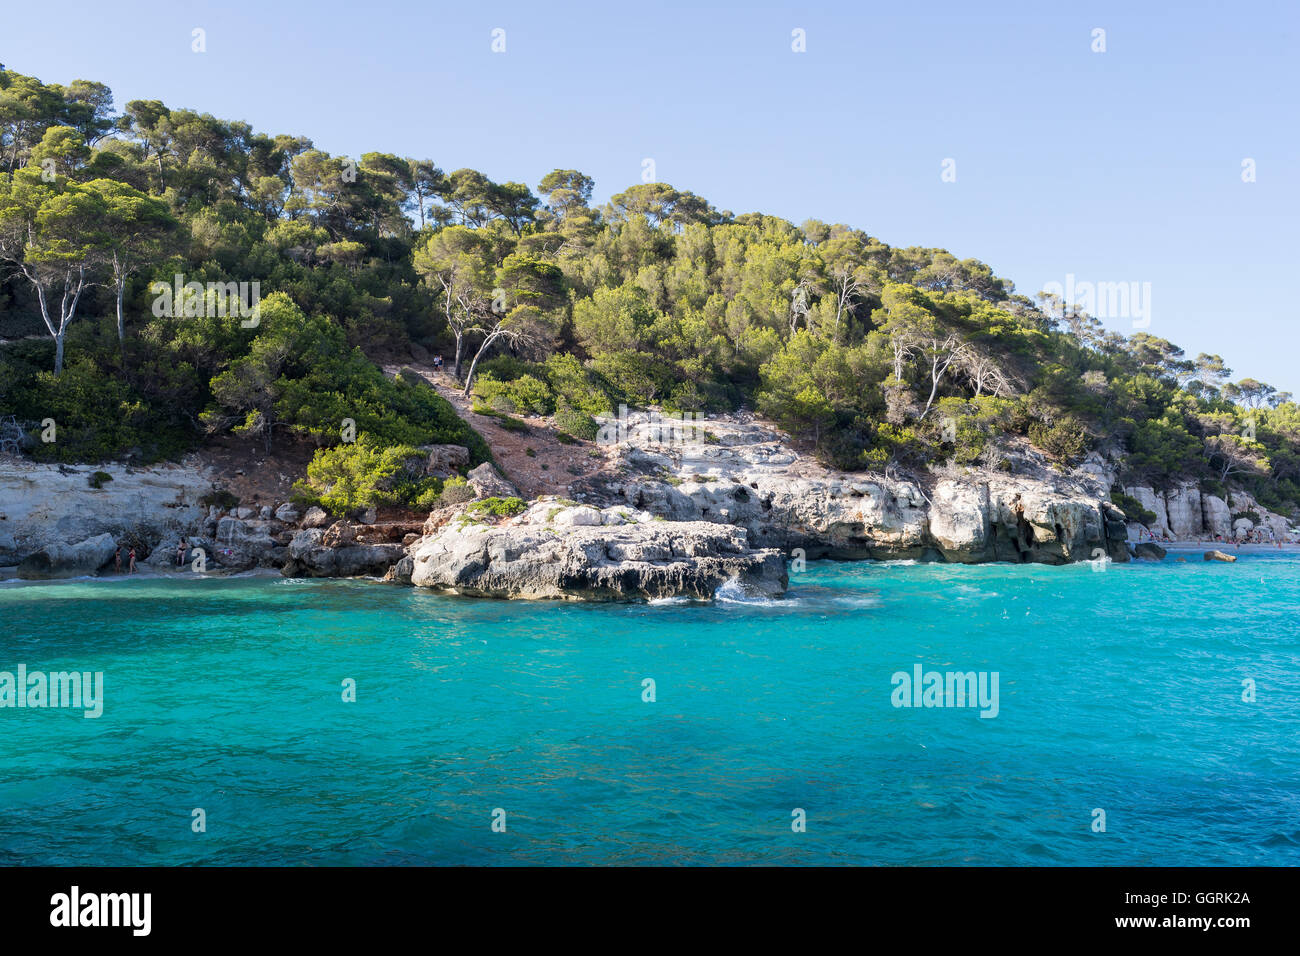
311	554
445	460
44	507
1219	556
625	563
315	518
68	560
488	484
400	572
1217	516
1183	511
339	534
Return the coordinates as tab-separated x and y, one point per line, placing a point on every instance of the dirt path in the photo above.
551	466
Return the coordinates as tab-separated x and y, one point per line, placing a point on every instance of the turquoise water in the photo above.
1119	690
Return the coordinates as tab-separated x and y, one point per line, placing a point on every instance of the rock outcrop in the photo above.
50	506
316	553
636	561
750	477
68	560
488	484
1184	512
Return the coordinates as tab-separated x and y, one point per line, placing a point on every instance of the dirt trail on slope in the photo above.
551	467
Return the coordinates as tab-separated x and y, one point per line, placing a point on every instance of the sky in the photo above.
1002	133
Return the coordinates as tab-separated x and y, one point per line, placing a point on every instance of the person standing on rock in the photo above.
117	560
131	567
180	553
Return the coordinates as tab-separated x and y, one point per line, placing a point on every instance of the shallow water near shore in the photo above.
1119	690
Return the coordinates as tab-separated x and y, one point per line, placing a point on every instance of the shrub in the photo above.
98	478
512	424
1062	441
222	498
497	507
576	423
575	386
523	394
1131	507
455	491
361	474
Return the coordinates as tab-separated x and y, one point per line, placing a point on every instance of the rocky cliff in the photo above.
1184	512
744	474
51	514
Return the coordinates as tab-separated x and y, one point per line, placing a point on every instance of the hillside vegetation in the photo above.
879	357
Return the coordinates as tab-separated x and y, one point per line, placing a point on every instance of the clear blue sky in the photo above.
1116	166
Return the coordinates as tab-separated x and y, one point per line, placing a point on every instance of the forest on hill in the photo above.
130	243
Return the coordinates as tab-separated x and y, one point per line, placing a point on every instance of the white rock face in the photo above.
629	562
1217	516
68	560
1153	502
43	507
581	516
1183	511
982	517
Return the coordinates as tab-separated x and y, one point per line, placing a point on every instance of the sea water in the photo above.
1147	714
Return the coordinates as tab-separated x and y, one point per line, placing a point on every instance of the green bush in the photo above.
1131	507
577	424
575	386
1063	441
98	478
455	491
363	474
523	394
222	498
497	507
98	417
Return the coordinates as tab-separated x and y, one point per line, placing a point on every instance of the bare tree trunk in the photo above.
469	378
119	270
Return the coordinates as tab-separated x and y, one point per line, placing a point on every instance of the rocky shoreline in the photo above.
665	517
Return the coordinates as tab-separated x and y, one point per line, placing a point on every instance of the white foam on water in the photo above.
733	593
